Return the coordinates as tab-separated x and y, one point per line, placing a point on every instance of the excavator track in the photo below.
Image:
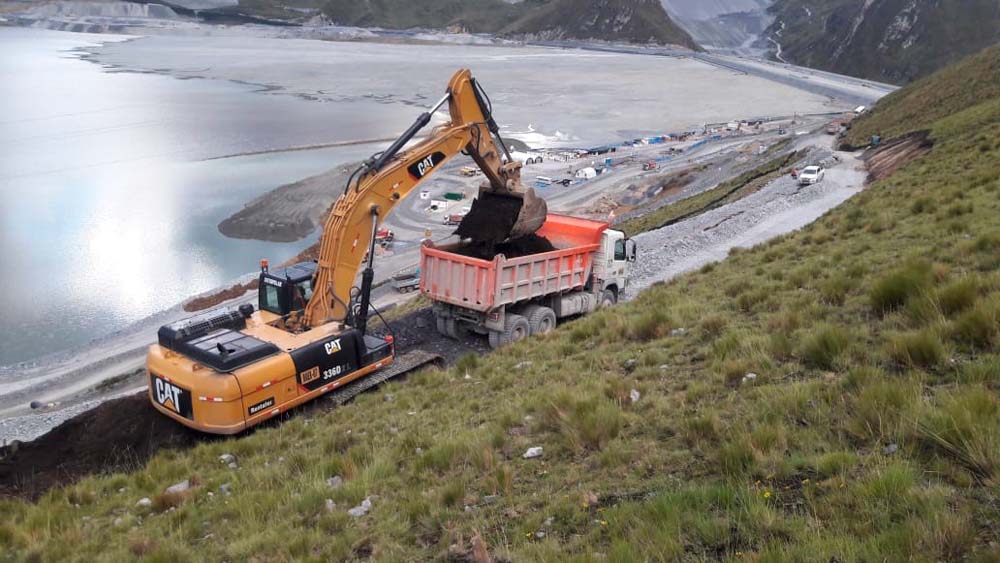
404	363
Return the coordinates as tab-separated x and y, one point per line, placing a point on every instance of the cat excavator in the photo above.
229	369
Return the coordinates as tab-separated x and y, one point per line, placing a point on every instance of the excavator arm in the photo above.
504	209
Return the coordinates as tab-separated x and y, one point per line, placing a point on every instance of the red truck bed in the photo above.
484	285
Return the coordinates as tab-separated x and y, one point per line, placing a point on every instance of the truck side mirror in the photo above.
630	248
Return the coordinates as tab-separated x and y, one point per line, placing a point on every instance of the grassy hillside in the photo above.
889	40
475	15
636	21
640	21
869	431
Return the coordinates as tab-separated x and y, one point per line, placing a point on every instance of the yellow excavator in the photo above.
232	368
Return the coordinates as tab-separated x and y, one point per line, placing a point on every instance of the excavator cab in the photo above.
286	290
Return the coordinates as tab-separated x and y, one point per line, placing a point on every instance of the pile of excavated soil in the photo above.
117	436
523	246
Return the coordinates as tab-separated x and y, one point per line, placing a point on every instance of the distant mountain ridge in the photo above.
894	41
634	21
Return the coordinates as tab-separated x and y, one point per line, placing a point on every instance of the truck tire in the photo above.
515	329
542	320
442	325
496	339
608	298
455	329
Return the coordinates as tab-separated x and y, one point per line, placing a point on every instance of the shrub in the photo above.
920	349
824	345
896	288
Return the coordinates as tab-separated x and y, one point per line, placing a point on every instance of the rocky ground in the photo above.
780	207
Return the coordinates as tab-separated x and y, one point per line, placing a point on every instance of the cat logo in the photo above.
423	167
310	375
168	395
332	347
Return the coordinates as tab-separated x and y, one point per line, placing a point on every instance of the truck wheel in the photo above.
496	339
455	329
542	320
515	329
608	298
442	325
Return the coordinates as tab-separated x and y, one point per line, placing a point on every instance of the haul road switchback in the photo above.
227	370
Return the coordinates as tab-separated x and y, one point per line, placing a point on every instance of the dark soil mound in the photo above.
524	246
118	435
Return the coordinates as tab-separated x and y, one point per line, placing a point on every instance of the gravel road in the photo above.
780	207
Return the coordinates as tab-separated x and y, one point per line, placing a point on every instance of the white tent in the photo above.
586	173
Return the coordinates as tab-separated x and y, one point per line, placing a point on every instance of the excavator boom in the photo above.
505	208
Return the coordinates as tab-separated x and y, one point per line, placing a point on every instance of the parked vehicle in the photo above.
405	283
650	165
454	196
811	175
508	299
453	218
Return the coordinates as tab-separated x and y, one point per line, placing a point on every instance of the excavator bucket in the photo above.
496	217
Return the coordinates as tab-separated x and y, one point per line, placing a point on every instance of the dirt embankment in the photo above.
121	435
290	212
886	159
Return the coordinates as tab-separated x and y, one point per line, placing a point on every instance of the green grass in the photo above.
871	433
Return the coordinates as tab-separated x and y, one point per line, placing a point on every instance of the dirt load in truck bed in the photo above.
524	246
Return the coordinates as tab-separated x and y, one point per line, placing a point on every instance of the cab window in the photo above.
619	249
301	293
271	301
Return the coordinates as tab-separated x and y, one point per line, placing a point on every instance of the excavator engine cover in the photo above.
496	217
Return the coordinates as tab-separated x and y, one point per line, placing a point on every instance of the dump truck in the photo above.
575	265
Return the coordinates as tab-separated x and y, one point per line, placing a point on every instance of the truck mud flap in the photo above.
404	363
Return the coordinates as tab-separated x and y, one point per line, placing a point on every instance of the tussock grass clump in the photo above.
583	422
958	296
882	408
824	345
966	428
920	349
895	289
978	328
649	325
713	325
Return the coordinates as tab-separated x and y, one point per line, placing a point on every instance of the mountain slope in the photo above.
638	21
870	431
888	40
